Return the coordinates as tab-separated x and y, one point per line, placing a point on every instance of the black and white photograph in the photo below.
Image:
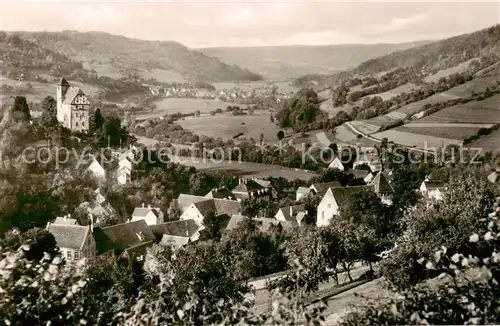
252	162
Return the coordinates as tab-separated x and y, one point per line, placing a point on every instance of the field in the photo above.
415	140
464	90
406	88
226	126
184	105
449	71
245	169
455	131
344	134
365	126
489	142
486	111
104	70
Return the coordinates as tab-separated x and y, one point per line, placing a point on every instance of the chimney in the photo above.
91	223
240	181
291	210
48	224
149	206
142	205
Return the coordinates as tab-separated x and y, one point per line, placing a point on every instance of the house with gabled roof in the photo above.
73	106
336	163
294	214
127	240
433	189
220	193
198	210
301	192
74	241
382	188
331	204
321	188
252	187
152	215
176	233
264	224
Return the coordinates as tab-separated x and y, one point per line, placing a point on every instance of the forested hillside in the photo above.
129	55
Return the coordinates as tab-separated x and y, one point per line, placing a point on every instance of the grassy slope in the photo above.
119	53
283	62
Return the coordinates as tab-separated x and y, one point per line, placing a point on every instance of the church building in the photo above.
72	107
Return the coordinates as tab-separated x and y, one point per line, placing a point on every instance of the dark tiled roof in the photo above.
228	207
184	228
263	223
222	193
248	186
359	174
295	210
342	194
69	236
381	185
122	236
63	82
321	188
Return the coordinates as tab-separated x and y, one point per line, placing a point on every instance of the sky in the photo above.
201	23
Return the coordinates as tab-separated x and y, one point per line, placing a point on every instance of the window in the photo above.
323	215
77	123
83	123
77	255
68	255
329	205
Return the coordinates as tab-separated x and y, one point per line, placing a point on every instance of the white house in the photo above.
123	175
301	192
331	203
294	214
433	189
74	241
152	215
96	169
73	106
336	164
198	210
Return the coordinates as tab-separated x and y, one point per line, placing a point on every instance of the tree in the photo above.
280	135
20	110
213	227
174	211
44	243
96	122
49	112
383	143
197	113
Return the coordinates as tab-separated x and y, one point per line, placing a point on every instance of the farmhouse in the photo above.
433	189
127	240
332	201
222	208
336	164
74	241
73	107
151	215
176	233
294	214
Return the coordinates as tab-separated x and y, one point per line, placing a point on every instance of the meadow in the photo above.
226	126
486	111
462	67
344	134
406	88
415	140
449	131
184	105
489	142
245	169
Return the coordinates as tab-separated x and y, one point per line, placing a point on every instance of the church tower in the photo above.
62	88
73	107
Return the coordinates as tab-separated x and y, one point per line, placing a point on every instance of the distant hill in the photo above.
425	59
117	55
285	62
